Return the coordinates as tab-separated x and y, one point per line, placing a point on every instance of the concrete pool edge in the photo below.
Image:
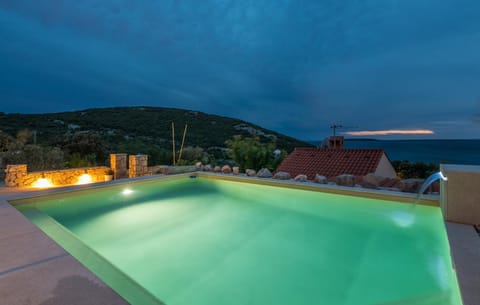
468	291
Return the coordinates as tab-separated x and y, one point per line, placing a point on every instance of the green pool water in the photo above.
204	241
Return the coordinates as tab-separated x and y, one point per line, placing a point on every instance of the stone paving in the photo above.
36	270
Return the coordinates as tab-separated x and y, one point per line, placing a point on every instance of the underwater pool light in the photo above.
127	191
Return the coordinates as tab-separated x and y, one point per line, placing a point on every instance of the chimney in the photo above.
336	142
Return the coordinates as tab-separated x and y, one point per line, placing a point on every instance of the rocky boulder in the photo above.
281	176
412	185
264	173
250	172
207	168
320	179
345	180
373	179
235	170
217	169
301	178
226	169
198	166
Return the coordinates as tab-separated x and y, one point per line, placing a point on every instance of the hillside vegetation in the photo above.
140	130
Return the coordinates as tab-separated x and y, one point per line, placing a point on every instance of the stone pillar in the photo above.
15	175
118	163
137	166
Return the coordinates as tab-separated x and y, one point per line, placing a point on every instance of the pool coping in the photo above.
463	239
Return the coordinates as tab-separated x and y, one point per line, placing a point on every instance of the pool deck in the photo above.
36	270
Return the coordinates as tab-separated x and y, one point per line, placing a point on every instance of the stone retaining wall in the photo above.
17	175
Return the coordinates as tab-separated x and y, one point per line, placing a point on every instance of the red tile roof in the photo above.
331	162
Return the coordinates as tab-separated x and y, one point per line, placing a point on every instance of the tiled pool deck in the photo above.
36	270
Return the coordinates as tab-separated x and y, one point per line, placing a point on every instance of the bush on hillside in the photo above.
405	169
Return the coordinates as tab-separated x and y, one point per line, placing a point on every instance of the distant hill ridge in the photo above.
142	126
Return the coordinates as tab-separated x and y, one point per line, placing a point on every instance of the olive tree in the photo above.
250	152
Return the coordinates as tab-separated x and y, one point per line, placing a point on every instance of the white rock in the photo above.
373	179
282	176
320	179
345	180
264	173
301	178
235	170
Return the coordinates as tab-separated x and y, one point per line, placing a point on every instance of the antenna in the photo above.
334	126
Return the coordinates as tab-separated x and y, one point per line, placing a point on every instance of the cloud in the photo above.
293	67
389	132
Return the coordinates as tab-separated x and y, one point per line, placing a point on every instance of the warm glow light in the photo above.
42	183
84	179
389	132
127	191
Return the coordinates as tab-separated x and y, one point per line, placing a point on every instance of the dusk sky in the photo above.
294	66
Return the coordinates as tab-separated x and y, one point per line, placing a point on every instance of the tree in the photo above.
190	155
37	157
84	149
249	152
406	170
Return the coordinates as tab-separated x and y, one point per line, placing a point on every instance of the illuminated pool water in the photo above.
202	241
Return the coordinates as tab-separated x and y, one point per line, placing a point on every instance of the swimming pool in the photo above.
204	241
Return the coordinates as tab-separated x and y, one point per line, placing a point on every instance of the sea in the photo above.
428	151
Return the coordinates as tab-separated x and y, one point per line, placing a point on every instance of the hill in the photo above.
141	129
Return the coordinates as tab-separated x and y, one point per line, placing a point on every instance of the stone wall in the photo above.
17	176
138	166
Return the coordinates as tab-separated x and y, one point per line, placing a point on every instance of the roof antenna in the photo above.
334	139
334	127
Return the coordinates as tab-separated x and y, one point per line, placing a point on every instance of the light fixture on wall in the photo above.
42	182
85	178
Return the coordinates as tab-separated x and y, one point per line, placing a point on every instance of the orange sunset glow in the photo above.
390	132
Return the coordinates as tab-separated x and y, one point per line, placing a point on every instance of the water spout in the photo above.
432	178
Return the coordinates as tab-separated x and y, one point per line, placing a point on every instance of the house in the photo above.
331	162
